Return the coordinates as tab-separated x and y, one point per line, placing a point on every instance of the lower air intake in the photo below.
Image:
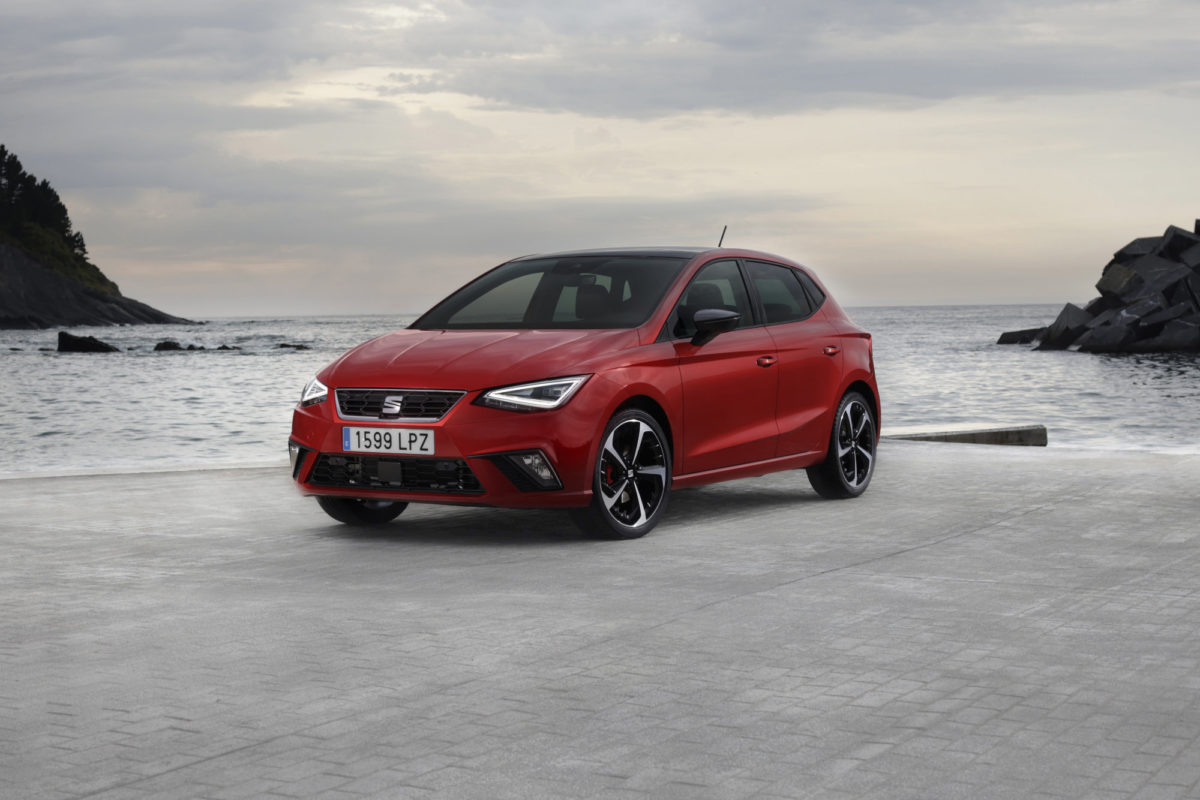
396	473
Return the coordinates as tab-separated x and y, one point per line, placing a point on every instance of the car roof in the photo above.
679	252
668	252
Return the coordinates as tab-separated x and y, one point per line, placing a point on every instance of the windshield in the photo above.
594	291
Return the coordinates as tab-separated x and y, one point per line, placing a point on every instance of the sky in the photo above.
233	158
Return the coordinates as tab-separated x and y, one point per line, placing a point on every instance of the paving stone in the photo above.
983	623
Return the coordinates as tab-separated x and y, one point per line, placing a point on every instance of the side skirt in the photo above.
754	468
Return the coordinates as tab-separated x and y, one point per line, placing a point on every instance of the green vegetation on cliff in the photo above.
33	218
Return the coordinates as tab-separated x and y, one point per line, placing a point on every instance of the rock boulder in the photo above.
1149	302
69	343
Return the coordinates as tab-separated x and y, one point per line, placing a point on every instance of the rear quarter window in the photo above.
780	291
815	295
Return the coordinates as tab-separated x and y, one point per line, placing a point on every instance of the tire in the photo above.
631	481
848	467
354	511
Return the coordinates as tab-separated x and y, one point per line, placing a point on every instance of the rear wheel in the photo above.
850	464
354	511
632	478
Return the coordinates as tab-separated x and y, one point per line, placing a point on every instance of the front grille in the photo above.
396	473
413	404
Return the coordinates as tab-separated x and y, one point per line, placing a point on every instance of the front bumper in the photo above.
479	457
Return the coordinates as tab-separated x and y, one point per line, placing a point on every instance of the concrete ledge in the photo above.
1020	435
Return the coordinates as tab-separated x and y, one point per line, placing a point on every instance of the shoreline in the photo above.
100	472
888	440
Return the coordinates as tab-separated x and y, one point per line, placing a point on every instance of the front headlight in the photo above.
539	396
314	392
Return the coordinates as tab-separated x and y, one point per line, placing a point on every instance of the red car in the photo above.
596	381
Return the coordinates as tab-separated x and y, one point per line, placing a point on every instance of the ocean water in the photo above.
940	365
141	410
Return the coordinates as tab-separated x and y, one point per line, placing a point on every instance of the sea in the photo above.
139	410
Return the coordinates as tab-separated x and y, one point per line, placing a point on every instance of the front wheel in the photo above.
354	511
850	464
632	478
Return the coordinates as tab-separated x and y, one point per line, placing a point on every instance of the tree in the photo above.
34	218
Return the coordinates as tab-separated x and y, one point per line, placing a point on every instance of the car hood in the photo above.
470	359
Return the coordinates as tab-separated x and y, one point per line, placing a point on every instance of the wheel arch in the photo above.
867	391
653	408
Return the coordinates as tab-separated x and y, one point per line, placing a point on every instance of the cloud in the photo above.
280	143
400	252
643	60
617	58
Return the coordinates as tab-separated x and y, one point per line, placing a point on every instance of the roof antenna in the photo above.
722	235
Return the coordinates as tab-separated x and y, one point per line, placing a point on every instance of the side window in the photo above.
779	289
814	292
716	285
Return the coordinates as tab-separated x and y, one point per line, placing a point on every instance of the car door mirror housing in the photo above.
711	321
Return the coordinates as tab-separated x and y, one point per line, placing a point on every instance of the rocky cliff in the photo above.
32	296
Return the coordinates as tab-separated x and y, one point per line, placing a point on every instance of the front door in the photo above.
730	384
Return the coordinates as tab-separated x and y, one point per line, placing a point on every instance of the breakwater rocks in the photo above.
70	343
171	345
1149	302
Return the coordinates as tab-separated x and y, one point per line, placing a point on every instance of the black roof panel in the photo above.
678	252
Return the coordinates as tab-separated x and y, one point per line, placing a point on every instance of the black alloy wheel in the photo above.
354	511
848	467
632	479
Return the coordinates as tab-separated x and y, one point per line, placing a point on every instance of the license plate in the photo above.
388	440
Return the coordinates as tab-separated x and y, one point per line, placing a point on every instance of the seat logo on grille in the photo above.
393	405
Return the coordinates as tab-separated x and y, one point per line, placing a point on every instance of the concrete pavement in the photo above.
984	623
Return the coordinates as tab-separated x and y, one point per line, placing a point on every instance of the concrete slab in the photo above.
1015	435
984	622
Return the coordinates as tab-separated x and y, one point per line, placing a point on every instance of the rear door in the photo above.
810	360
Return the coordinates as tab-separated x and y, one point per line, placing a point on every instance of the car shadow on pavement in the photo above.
729	500
475	526
469	527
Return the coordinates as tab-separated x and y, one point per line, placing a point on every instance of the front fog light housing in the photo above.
529	470
314	392
537	467
297	455
538	396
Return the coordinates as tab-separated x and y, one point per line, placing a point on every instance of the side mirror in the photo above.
711	321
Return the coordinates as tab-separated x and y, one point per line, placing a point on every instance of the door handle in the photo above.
766	361
832	350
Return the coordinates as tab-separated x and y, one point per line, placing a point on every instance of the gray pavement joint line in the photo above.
833	570
914	548
823	573
250	746
1057	501
1139	577
190	764
664	623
